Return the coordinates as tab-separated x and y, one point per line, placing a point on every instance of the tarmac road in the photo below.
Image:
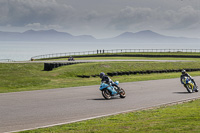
33	109
79	61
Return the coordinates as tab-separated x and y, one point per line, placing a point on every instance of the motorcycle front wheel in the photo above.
106	94
189	88
122	94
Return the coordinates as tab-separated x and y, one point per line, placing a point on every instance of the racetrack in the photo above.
33	109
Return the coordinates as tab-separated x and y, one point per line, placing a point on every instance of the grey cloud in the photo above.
186	17
47	13
131	17
137	17
23	12
40	26
100	17
92	15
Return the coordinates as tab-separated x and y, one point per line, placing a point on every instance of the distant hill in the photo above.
43	35
145	36
141	34
148	36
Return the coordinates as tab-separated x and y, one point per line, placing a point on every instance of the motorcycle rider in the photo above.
107	80
184	73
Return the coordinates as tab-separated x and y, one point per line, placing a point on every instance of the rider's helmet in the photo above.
183	71
102	74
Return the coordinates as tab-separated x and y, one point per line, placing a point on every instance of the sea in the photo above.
23	51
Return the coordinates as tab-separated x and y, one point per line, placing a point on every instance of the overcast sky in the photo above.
102	18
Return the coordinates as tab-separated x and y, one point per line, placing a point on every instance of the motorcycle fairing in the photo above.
109	87
187	80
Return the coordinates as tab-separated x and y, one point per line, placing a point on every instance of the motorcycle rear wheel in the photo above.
196	90
106	94
122	94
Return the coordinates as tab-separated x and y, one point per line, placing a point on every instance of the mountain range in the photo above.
42	35
146	36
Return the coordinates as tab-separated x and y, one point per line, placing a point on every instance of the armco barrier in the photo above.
113	51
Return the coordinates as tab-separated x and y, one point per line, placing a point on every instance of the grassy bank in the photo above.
177	118
25	77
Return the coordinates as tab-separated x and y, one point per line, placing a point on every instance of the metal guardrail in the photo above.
6	60
56	55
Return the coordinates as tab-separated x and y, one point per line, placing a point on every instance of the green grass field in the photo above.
30	76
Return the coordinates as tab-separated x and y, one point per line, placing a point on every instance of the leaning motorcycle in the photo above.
189	84
112	89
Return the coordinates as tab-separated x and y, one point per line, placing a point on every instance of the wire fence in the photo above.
6	60
59	55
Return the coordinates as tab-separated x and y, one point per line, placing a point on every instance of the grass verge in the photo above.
177	118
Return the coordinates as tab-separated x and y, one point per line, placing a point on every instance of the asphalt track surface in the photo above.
43	108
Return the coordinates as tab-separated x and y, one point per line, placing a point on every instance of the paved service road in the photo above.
117	60
32	109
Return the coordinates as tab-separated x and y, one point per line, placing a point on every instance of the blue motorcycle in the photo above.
112	89
189	85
